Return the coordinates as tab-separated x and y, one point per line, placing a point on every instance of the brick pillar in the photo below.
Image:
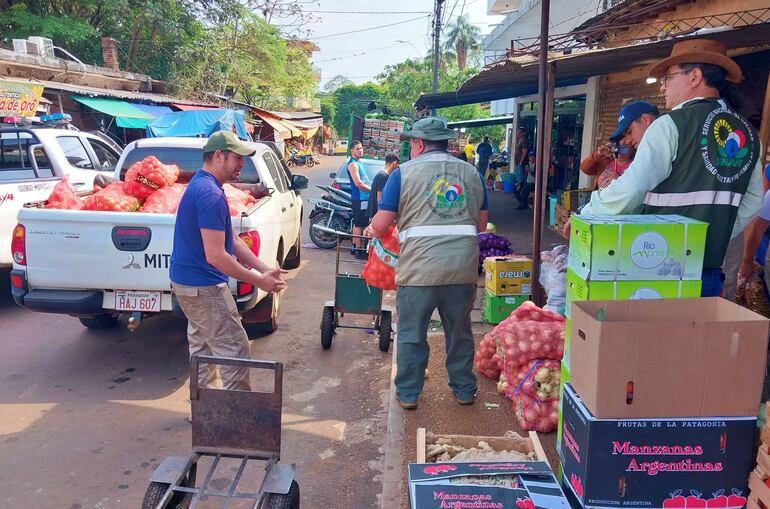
110	53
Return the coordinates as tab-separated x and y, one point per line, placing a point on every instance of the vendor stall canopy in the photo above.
128	115
198	123
518	76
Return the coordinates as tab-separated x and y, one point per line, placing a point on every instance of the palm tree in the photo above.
462	36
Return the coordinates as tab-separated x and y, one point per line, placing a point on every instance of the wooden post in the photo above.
764	133
543	132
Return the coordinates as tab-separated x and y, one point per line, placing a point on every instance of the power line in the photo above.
366	29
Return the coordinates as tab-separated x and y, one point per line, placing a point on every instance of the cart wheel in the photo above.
154	495
327	327
287	501
385	330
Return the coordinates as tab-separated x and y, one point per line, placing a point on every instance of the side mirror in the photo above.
332	175
299	182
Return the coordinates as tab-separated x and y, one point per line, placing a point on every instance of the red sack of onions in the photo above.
529	311
535	395
148	175
521	342
164	201
112	198
64	196
380	269
486	360
239	201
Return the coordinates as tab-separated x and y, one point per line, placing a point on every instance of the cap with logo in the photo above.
629	113
227	141
431	129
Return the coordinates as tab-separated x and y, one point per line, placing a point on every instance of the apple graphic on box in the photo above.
695	500
676	500
525	503
719	500
736	500
577	485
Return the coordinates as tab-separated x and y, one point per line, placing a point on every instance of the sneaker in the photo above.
465	400
406	405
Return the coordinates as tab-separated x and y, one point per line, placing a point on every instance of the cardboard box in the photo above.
669	462
498	308
563	381
578	289
669	357
567	341
640	248
508	275
531	484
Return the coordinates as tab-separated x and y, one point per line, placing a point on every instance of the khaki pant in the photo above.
214	328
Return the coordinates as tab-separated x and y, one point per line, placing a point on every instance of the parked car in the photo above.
98	265
340	148
33	160
341	179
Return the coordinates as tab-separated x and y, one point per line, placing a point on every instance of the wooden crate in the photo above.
524	445
760	492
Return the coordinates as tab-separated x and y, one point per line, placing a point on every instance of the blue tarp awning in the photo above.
198	123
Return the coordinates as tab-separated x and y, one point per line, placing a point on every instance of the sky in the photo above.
362	55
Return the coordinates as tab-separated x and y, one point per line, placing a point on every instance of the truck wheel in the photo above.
267	308
295	255
104	321
155	492
327	327
288	501
385	330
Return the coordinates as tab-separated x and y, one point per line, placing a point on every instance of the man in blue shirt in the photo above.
360	187
206	254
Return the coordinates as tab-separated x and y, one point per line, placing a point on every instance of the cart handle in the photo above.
196	360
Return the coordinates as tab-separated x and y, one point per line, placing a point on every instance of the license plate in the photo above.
131	300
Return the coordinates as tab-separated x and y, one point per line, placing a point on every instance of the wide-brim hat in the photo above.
699	51
431	129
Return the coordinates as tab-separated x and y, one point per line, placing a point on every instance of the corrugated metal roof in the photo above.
103	92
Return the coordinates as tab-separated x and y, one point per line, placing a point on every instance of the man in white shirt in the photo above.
701	160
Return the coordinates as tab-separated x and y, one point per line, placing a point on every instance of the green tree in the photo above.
335	83
463	37
355	99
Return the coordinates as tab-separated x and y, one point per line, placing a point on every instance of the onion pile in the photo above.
493	245
64	196
523	352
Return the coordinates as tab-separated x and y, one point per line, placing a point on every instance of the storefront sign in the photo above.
19	99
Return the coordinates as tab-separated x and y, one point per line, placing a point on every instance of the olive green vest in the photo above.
438	210
718	151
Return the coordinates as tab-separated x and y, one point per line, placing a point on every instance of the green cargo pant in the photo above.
415	305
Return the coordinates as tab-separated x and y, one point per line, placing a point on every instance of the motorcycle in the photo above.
296	159
328	220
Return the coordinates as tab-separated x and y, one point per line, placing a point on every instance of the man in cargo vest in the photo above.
439	203
701	160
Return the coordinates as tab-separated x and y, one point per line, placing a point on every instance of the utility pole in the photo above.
436	46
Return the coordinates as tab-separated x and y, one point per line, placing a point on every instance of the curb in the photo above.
394	436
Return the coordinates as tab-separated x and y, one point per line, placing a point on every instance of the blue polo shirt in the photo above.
203	205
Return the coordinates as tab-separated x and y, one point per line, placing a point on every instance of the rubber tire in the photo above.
104	321
272	300
287	501
327	327
322	239
294	261
154	494
385	331
310	163
290	163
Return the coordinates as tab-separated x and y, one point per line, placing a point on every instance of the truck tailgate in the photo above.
74	249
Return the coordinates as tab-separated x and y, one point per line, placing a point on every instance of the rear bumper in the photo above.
68	302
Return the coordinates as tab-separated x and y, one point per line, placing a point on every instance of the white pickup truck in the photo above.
97	265
33	160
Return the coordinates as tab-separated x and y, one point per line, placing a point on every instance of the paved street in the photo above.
85	416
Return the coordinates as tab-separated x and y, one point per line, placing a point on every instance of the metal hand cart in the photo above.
229	426
352	295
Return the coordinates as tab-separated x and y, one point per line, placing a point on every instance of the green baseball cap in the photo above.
431	129
228	141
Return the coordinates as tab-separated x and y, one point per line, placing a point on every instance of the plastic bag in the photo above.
380	269
553	278
148	175
239	201
64	196
164	201
112	198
